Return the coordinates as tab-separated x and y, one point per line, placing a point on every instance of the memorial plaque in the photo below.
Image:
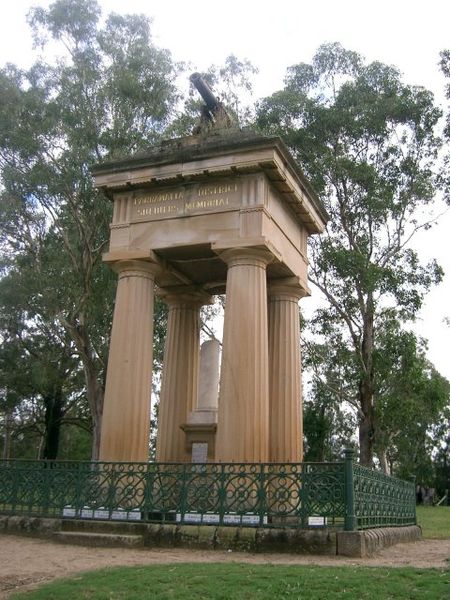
199	452
185	200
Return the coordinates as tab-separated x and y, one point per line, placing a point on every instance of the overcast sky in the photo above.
274	35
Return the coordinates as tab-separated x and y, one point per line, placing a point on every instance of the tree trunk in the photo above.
53	414
322	434
384	464
367	413
366	425
95	394
7	436
95	390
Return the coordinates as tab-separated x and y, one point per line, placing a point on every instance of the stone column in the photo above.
285	403
126	412
243	421
179	385
208	387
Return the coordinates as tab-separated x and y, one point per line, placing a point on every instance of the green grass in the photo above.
435	521
248	582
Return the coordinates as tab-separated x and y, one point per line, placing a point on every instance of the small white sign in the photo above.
213	519
102	513
126	515
68	511
317	521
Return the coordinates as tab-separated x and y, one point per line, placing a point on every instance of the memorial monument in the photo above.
222	211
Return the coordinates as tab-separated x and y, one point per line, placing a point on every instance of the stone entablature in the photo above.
187	195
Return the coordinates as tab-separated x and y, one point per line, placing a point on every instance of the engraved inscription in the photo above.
185	201
157	198
208	203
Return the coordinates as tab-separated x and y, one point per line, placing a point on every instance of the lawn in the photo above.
248	582
435	521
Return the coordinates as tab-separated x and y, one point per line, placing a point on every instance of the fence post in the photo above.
413	481
261	495
350	518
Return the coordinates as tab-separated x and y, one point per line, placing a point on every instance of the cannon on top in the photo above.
214	115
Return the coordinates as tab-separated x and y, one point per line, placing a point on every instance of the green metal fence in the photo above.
261	495
381	500
374	499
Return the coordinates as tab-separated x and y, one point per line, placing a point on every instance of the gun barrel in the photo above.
204	90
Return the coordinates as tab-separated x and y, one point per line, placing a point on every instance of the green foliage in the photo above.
38	364
409	399
328	419
367	142
76	441
445	68
224	581
109	93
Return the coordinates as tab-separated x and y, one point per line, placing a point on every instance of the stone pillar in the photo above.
208	388
285	403
126	412
201	425
243	422
179	385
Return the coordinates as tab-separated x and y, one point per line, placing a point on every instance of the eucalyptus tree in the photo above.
410	397
445	68
109	91
367	142
38	363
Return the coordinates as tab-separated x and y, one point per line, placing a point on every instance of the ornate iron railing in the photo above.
264	495
381	500
294	495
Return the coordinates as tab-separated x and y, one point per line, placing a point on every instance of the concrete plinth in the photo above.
355	544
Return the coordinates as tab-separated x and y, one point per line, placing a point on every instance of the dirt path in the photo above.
26	563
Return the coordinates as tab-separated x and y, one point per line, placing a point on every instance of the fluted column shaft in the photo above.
242	431
179	384
126	412
285	398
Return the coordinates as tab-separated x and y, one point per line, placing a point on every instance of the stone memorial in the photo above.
223	211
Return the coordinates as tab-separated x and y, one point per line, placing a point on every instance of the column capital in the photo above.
288	288
184	294
256	257
136	268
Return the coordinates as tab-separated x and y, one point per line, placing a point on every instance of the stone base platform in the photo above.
358	544
370	541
